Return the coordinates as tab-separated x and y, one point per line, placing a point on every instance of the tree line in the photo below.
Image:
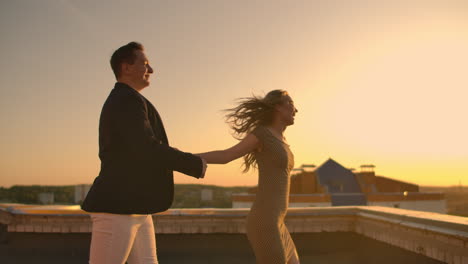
30	194
185	195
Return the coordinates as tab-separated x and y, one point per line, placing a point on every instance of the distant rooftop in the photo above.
332	184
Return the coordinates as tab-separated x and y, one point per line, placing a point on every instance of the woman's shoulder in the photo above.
260	132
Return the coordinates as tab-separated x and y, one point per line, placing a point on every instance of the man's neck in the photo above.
130	83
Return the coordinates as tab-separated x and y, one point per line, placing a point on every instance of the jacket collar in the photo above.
123	85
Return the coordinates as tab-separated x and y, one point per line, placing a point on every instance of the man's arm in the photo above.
132	120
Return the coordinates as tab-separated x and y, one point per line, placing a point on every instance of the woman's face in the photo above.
286	111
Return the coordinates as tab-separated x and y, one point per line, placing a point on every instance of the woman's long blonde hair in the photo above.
250	113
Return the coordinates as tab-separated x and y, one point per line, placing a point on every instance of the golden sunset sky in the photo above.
375	82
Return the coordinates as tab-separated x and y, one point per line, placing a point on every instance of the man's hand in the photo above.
205	165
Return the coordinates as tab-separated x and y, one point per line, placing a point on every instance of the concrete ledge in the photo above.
438	236
5	217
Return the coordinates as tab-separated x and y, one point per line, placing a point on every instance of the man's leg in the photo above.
144	247
112	238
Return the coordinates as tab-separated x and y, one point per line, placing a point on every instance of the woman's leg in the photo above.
112	238
144	247
294	259
290	246
266	243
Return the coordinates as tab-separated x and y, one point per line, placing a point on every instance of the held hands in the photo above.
205	165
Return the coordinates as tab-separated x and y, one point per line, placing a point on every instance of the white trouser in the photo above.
119	238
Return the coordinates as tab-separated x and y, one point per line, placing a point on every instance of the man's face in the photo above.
140	71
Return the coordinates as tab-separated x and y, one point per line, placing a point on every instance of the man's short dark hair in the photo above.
124	54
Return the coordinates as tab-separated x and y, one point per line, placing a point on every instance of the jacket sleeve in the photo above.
136	129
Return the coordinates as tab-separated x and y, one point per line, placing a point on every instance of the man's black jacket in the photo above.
136	160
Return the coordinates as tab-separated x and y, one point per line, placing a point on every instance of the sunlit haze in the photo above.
375	82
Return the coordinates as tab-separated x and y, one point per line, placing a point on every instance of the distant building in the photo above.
206	195
331	184
46	198
80	192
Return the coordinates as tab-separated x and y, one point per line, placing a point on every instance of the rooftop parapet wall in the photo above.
293	198
407	196
371	197
437	236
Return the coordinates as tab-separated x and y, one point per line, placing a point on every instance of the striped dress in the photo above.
266	231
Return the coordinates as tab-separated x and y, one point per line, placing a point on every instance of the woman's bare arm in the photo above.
246	145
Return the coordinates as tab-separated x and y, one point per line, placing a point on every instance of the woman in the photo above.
260	124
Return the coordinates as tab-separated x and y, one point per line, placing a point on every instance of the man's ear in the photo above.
125	68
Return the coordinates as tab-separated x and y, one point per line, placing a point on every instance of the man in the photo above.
137	162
